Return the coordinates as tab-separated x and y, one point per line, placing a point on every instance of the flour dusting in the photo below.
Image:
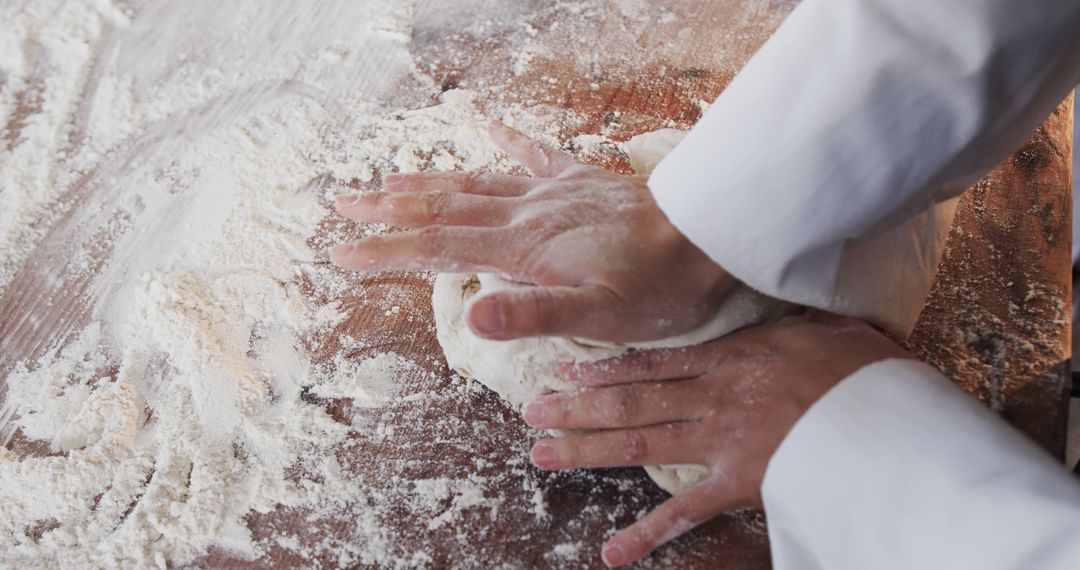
189	399
184	383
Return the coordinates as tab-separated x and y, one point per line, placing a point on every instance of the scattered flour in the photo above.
187	400
168	398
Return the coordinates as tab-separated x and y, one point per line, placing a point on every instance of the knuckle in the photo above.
664	518
657	359
429	240
535	227
624	406
559	410
634	446
535	147
650	363
544	188
374	201
531	263
538	312
575	171
471	182
434	205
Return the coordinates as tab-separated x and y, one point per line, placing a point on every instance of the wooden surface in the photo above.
999	316
997	321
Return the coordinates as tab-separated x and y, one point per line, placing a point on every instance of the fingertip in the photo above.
590	374
358	256
613	554
340	254
345	200
543	455
503	136
359	207
487	317
342	250
535	413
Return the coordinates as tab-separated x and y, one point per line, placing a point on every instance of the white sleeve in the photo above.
855	116
898	468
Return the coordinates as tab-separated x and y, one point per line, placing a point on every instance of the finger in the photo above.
668	443
634	405
433	248
426	209
542	160
586	311
840	324
506	185
825	318
650	365
673	518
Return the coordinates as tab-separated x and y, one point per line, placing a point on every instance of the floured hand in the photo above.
609	264
726	405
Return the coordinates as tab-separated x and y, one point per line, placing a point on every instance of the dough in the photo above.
521	370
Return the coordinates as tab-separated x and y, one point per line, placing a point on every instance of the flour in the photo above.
203	419
45	55
187	400
177	388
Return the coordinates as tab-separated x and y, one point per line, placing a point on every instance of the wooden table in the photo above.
997	322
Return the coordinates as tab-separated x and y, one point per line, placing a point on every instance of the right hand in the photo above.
726	404
607	263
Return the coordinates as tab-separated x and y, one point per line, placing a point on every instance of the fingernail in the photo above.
534	413
495	123
543	456
488	317
343	200
613	555
342	250
392	179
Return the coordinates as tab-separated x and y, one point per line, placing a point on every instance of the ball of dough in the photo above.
523	369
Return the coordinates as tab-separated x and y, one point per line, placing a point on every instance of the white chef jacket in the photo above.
828	163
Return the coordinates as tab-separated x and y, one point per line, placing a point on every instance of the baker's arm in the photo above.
854	117
897	468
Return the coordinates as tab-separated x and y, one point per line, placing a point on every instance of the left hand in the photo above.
726	404
607	262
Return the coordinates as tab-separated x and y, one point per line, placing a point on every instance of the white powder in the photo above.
448	497
45	54
168	169
180	408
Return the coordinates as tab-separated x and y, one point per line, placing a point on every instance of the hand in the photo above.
609	264
727	405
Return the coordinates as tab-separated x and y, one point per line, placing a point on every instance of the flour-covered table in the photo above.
188	382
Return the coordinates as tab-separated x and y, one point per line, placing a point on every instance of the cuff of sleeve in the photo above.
887	468
884	279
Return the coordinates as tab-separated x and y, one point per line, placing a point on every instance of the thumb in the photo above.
586	311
